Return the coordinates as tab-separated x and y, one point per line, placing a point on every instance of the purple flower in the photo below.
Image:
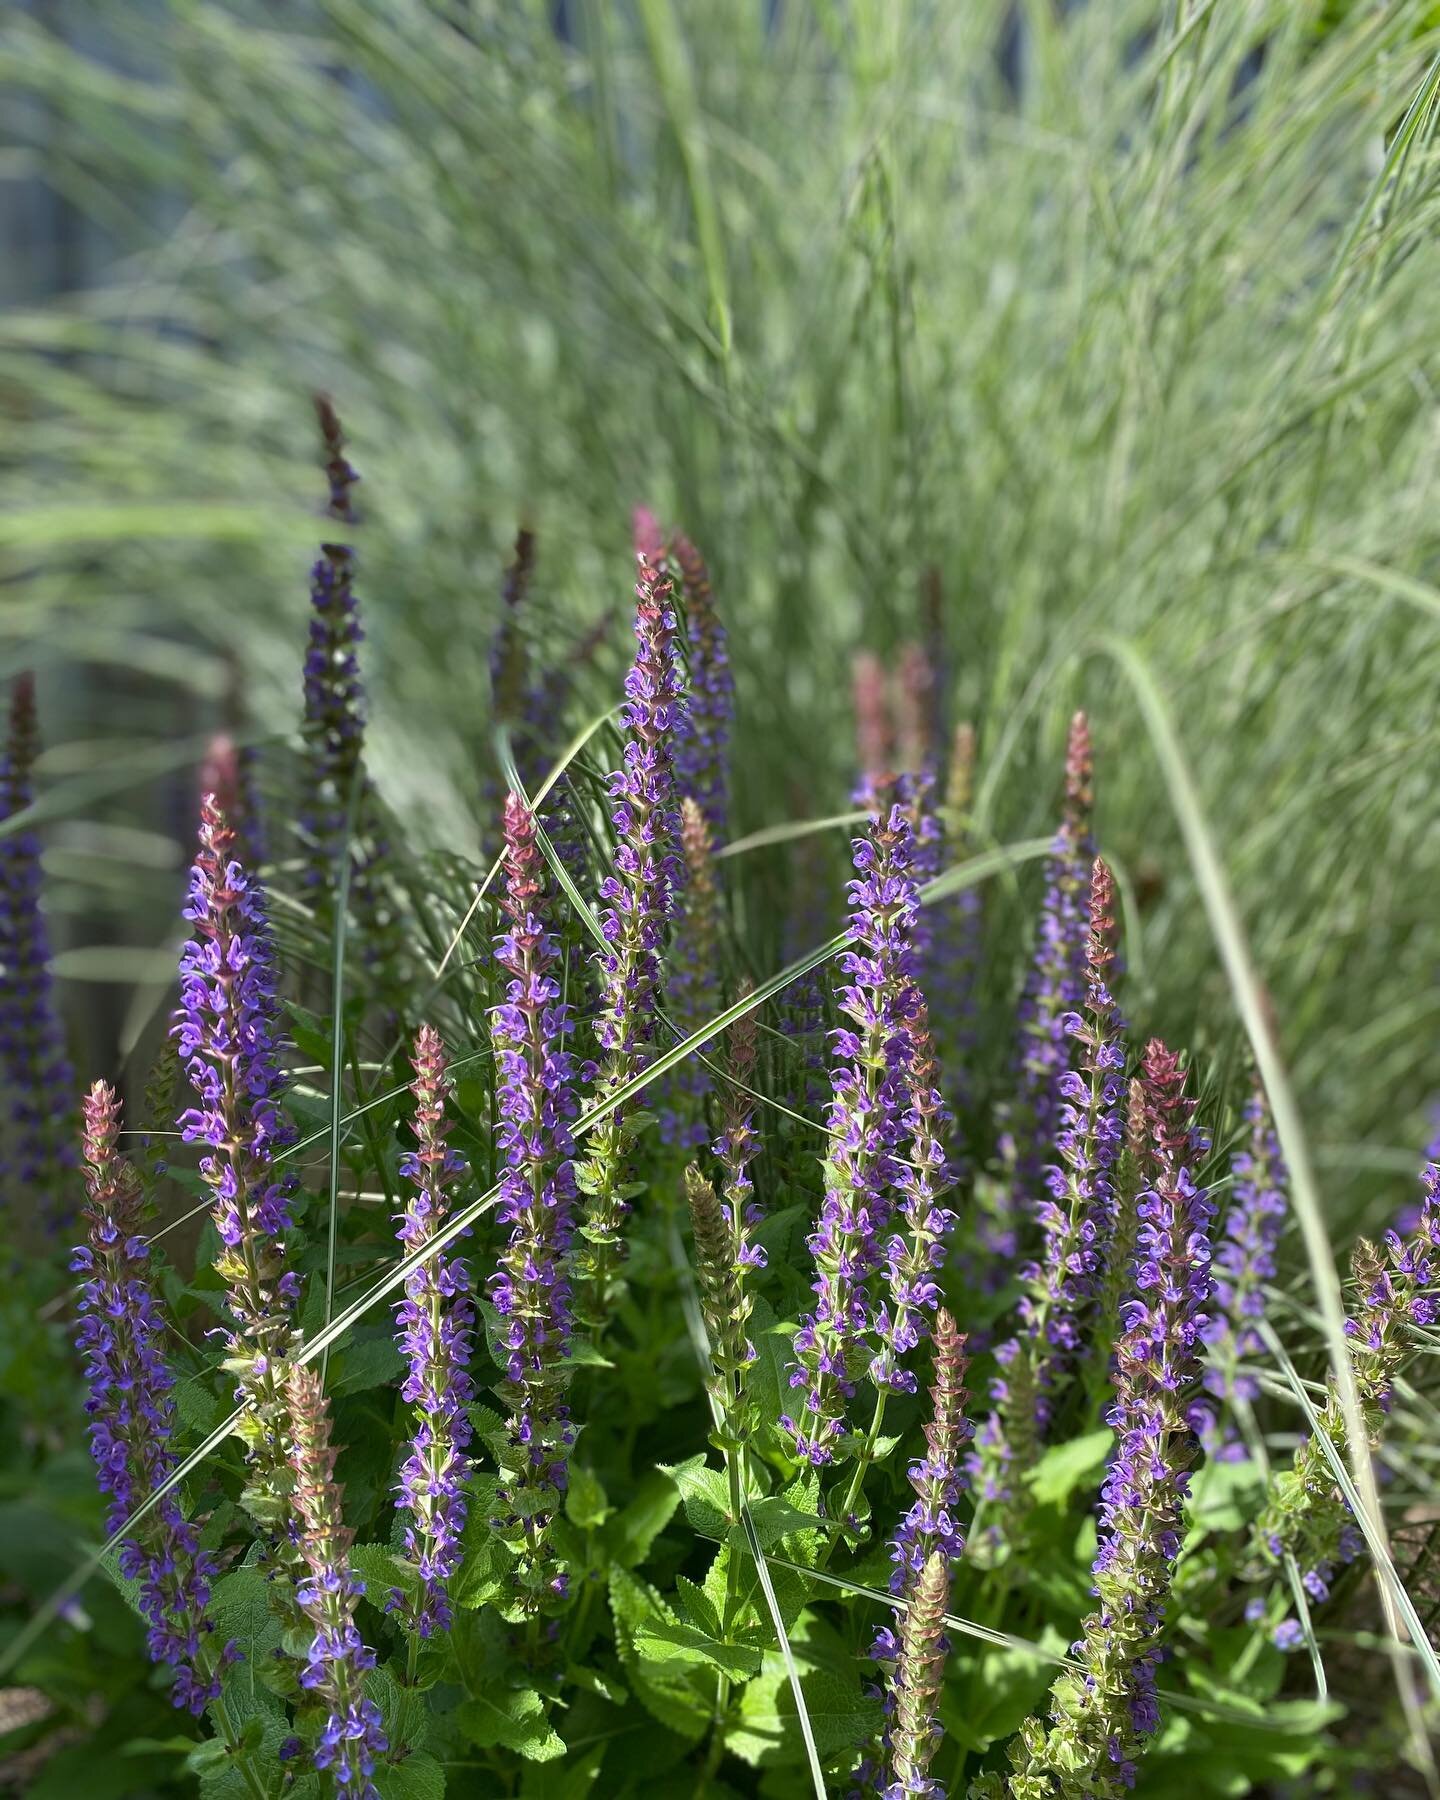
334	721
333	726
1102	1716
350	1734
132	1415
435	1322
866	1127
915	1256
1244	1262
535	1102
702	749
939	1478
40	1137
639	900
228	1033
1055	984
916	1672
693	980
1395	1292
1076	1221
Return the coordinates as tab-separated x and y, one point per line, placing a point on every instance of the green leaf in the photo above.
311	1033
404	1711
514	1720
573	1781
367	1362
997	1691
697	1605
706	1495
380	1569
768	1731
1223	1497
263	1725
678	1642
240	1607
668	1689
585	1502
1064	1467
629	1535
416	1777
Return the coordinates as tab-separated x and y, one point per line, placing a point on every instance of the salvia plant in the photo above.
460	1424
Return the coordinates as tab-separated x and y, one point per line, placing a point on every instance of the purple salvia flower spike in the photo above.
132	1415
1076	1221
940	1477
435	1325
39	1135
639	900
1306	1515
334	721
1244	1263
913	1696
536	1100
228	1034
1102	1714
866	1131
1053	988
333	729
350	1734
692	983
702	750
915	1255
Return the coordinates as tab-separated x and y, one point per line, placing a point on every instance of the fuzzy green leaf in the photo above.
667	1689
514	1720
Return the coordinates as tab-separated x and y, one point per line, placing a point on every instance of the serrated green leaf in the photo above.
381	1570
404	1712
705	1494
515	1719
240	1608
416	1777
695	1603
767	1731
367	1362
679	1642
668	1690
